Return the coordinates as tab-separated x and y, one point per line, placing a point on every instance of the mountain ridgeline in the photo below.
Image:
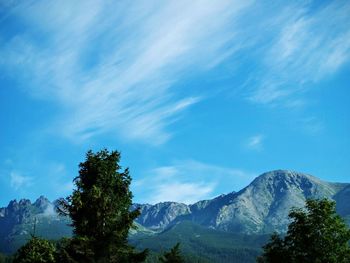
261	207
20	220
256	211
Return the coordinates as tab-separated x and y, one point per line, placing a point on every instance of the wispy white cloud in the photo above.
113	67
169	183
27	176
187	193
255	142
50	211
114	71
18	181
188	181
307	48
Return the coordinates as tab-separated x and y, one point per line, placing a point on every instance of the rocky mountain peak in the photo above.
12	204
161	215
281	182
287	176
24	202
15	206
42	203
263	205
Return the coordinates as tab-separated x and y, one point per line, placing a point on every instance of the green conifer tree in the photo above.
36	250
100	211
315	235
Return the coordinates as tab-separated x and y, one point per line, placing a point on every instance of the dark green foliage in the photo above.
74	250
5	259
316	234
99	209
200	244
172	256
36	250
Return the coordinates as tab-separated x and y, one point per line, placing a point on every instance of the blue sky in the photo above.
200	97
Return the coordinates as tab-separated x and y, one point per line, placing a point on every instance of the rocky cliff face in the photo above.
161	215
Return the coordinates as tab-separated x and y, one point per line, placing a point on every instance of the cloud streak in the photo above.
188	181
114	71
306	48
18	181
255	142
119	69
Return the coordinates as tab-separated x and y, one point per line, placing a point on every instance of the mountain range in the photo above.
259	208
253	212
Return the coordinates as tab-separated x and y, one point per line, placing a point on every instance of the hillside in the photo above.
209	245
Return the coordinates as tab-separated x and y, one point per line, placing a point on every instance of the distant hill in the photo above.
235	223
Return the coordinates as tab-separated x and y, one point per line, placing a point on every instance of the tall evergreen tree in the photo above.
315	235
100	211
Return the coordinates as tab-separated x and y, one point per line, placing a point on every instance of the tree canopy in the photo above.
172	256
316	234
100	211
36	250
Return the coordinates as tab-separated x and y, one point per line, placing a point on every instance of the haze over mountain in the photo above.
260	208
